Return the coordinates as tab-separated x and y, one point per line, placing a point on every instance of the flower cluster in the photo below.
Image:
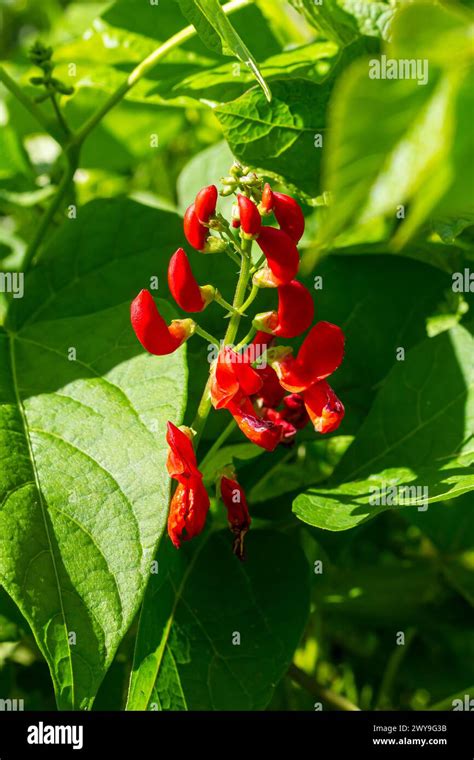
270	392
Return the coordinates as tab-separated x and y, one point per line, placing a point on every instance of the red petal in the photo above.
151	329
267	199
196	234
181	462
205	203
289	215
182	283
326	411
250	218
281	254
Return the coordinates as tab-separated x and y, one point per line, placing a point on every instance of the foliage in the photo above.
96	172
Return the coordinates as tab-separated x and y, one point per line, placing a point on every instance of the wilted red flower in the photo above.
151	329
238	516
188	511
323	406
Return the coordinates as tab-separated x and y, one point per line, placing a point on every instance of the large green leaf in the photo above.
186	654
83	488
418	433
412	131
279	137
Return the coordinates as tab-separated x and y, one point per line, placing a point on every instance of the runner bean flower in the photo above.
270	391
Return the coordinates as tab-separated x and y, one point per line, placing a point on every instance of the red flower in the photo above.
183	285
151	329
232	379
233	382
205	203
295	312
281	254
319	356
289	215
250	219
238	516
190	503
195	232
326	411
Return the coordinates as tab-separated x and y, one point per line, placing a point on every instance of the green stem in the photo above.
239	296
205	404
207	336
144	67
31	251
202	414
233	256
391	670
60	116
226	305
30	106
320	692
247	339
218	443
251	298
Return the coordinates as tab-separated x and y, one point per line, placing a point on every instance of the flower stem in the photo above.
222	302
247	339
218	443
313	688
205	404
251	298
63	187
30	106
207	336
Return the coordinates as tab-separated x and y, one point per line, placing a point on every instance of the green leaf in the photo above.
328	18
279	137
218	34
344	20
84	490
185	656
418	433
411	130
